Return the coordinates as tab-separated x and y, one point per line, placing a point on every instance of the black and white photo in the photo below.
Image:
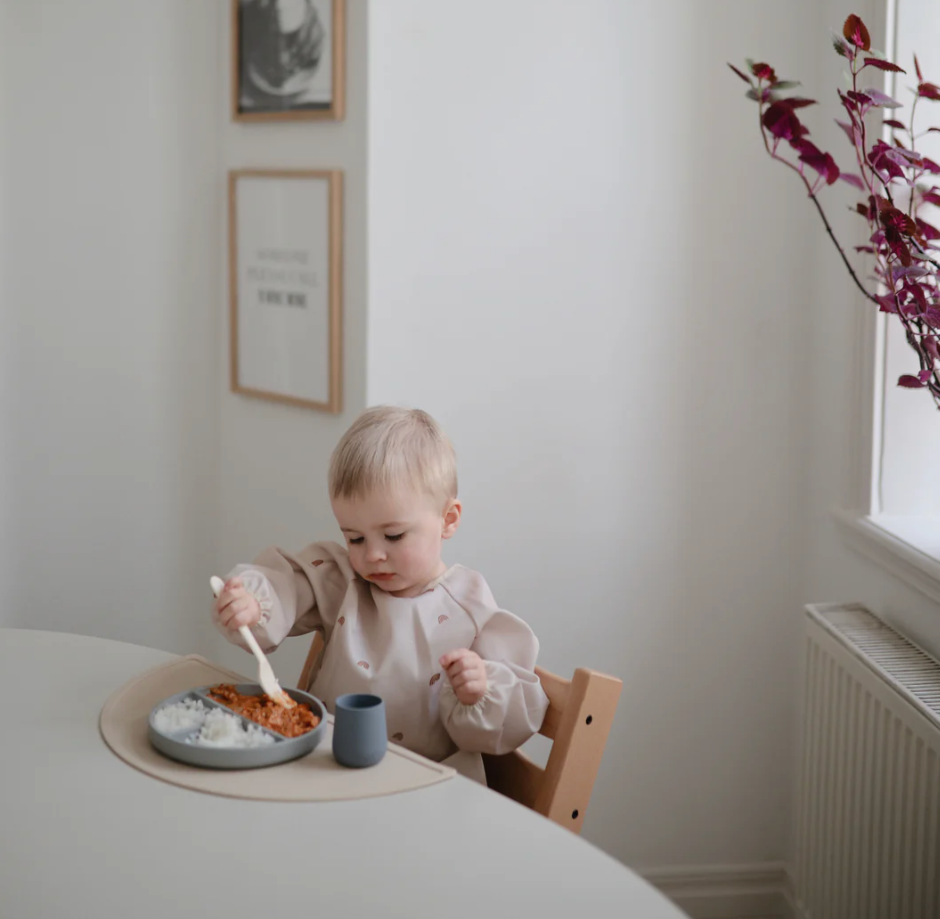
288	60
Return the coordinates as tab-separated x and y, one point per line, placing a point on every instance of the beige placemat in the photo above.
315	777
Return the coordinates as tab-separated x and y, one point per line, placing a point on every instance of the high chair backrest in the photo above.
581	711
313	661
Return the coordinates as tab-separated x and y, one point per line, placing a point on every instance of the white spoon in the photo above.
266	676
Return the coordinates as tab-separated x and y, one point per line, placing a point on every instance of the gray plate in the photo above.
282	750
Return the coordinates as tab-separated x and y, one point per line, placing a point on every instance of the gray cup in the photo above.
359	732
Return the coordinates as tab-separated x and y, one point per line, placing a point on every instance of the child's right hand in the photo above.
236	606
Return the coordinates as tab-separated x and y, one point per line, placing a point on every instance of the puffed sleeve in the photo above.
297	592
514	704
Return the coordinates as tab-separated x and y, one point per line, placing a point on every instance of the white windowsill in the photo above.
908	547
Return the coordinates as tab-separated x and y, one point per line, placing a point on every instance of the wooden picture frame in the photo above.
285	233
264	87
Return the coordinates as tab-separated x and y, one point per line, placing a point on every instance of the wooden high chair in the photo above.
312	663
580	713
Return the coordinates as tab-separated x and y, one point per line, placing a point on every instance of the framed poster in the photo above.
285	285
288	60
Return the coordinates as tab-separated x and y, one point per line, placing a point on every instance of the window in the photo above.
902	530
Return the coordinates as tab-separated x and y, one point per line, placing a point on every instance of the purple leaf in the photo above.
741	75
898	156
931	196
890	122
841	46
930	346
927	230
881	100
910	382
848	130
904	156
923	376
931	166
852	179
908	271
886	303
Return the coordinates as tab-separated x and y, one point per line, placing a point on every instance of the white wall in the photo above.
110	291
274	458
582	262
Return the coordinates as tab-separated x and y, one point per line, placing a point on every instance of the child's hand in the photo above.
236	607
467	674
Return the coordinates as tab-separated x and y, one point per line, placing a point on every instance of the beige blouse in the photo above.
390	646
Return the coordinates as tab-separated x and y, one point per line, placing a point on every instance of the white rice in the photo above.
181	716
217	728
222	729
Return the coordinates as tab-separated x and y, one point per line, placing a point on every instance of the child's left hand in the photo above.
467	674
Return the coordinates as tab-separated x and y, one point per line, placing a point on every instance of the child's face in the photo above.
394	538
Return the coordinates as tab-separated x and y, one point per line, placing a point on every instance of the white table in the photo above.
84	834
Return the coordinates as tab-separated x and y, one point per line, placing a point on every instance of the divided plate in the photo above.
282	750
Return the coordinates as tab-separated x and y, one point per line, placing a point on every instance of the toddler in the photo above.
455	670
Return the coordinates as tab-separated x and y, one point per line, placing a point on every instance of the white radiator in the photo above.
868	835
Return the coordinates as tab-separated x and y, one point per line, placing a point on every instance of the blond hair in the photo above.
387	447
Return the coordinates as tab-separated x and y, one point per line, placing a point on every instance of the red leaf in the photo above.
823	163
741	75
854	31
780	120
909	382
931	166
929	91
890	122
892	217
764	72
852	179
920	76
798	102
882	65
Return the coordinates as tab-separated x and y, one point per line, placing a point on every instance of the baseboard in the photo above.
762	891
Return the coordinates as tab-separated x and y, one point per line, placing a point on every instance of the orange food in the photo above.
289	722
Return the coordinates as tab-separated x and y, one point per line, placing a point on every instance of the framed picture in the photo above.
288	60
285	285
